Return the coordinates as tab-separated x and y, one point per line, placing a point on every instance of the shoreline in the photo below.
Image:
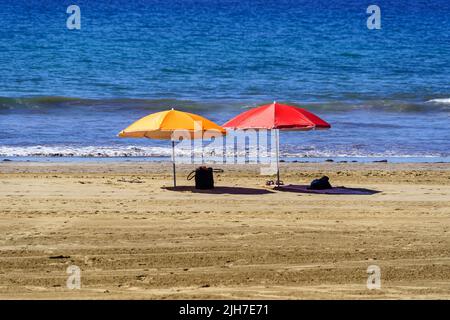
162	159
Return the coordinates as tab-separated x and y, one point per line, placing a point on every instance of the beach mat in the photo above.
220	190
334	190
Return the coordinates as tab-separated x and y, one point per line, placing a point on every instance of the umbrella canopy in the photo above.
277	116
163	125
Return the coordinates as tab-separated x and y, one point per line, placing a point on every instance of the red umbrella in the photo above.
277	116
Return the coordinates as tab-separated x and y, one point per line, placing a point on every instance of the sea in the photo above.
66	93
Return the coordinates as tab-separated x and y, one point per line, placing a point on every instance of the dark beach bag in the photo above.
204	178
320	184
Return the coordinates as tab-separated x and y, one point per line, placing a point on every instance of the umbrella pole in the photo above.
277	137
257	146
173	164
203	160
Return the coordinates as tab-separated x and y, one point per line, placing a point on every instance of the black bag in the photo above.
203	177
320	184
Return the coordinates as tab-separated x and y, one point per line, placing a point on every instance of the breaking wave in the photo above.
347	103
163	152
50	102
440	101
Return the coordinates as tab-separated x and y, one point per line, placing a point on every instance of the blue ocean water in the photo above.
69	92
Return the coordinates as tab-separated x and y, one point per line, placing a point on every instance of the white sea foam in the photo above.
117	151
440	101
87	151
186	153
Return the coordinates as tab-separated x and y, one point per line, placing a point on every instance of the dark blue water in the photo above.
386	92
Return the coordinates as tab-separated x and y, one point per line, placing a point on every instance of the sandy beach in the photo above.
133	238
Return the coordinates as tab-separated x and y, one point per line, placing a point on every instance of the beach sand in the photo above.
132	238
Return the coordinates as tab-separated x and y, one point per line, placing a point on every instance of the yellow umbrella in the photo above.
168	125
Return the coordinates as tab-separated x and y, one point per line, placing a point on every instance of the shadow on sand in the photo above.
220	190
334	190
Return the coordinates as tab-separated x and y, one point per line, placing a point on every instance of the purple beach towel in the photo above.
334	190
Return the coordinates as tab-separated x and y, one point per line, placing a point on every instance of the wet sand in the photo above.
133	238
